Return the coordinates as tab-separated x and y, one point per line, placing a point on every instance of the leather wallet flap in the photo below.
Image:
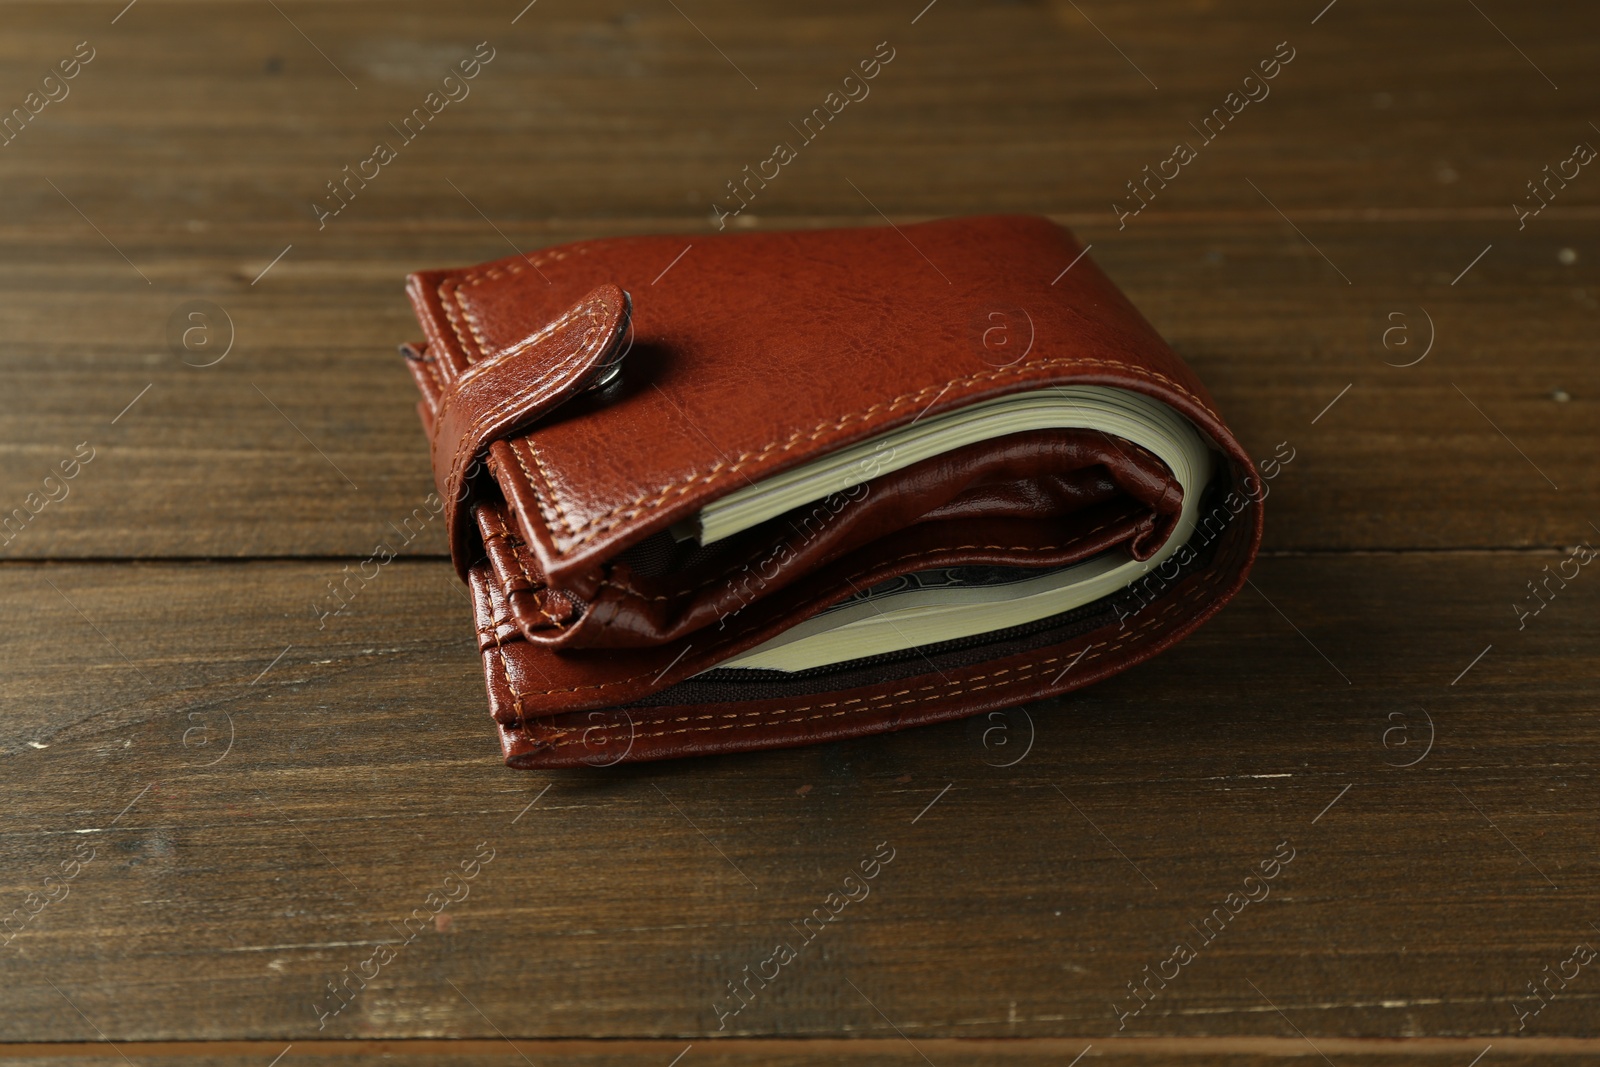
757	352
605	637
514	387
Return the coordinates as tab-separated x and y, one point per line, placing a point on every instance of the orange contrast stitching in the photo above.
954	688
598	524
887	563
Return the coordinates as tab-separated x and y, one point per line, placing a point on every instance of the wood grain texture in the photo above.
1020	903
222	131
887	1052
267	799
304	439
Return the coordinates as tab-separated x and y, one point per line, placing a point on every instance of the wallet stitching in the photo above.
561	364
476	277
1139	633
555	622
520	558
430	327
888	563
522	568
549	491
505	669
643	674
589	529
500	410
949	689
539	603
492	514
598	524
473	326
450	302
437	376
1204	586
503	533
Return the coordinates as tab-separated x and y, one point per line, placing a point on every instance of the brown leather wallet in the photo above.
588	404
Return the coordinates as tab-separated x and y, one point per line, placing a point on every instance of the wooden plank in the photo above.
304	439
1020	900
863	1052
598	110
601	121
266	799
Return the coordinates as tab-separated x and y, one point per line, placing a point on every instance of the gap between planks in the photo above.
650	224
760	1049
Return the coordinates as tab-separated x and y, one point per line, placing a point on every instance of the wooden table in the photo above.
238	806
